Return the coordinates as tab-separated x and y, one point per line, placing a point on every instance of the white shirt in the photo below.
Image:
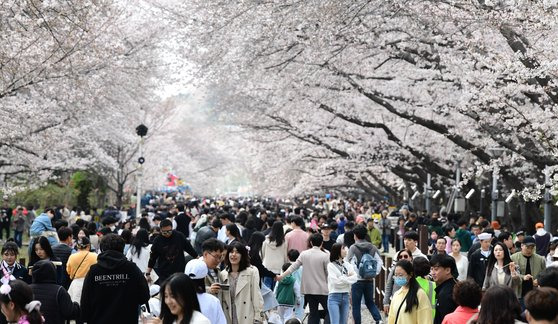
142	260
462	267
197	318
211	308
339	280
222	234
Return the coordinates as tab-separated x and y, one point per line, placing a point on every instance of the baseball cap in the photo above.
154	290
529	240
196	269
485	236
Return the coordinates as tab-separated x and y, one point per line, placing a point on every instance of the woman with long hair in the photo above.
340	276
391	286
274	252
16	301
140	249
461	261
500	269
233	233
241	297
179	304
43	251
499	305
127	236
409	305
144	223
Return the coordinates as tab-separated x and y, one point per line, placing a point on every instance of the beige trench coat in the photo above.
248	297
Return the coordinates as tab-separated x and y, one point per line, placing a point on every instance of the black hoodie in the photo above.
56	304
113	290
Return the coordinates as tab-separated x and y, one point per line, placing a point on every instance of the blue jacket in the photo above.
41	224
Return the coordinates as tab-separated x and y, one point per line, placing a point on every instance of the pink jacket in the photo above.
461	315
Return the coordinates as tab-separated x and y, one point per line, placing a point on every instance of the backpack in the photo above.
367	265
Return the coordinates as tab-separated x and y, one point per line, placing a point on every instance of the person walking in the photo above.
391	286
443	270
115	277
5	219
479	259
409	305
56	304
167	252
242	302
499	305
340	276
314	277
10	265
140	250
467	294
287	293
297	238
78	266
62	252
385	229
210	306
180	303
501	270
274	252
461	261
530	265
18	305
205	233
366	259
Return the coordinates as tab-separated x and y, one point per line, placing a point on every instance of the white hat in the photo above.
196	269
485	236
154	290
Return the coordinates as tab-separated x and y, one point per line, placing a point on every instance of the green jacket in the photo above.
285	291
429	288
464	237
537	264
375	237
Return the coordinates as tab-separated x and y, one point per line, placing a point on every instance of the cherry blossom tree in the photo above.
372	93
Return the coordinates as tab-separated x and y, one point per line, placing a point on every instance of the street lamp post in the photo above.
482	195
427	189
495	152
494	193
141	130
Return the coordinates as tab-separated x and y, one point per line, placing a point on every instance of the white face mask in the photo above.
112	227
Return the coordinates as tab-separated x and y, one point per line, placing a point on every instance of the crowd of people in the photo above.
236	261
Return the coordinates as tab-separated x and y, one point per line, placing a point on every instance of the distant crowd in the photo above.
261	260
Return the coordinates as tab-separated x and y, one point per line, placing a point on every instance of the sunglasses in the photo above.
403	257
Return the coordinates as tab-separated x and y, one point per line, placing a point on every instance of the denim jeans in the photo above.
385	242
18	238
359	289
338	307
269	282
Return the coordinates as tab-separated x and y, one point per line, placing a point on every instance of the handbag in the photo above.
75	272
